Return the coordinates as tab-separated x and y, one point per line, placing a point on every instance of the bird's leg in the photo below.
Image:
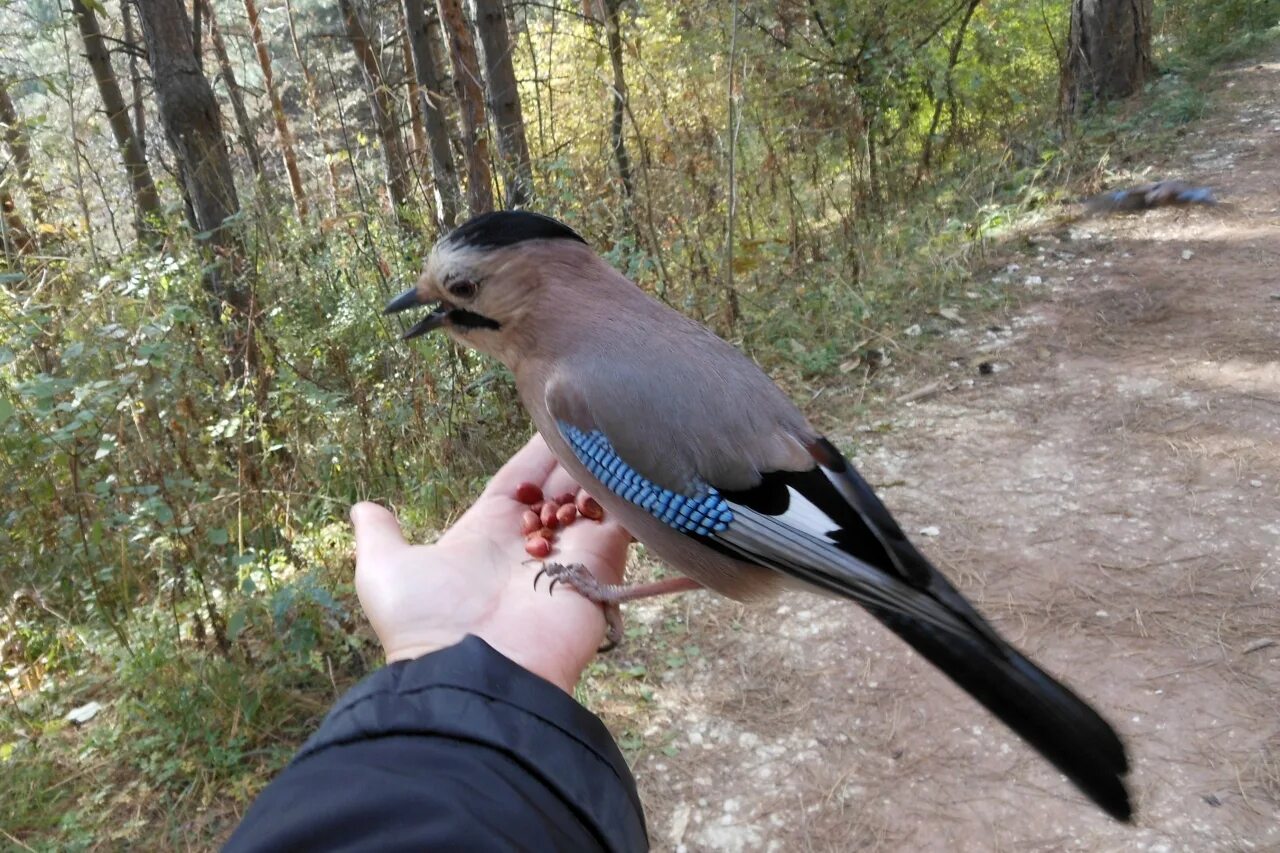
609	595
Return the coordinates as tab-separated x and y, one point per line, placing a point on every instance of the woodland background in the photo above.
206	205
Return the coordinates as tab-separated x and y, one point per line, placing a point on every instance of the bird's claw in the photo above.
577	577
555	579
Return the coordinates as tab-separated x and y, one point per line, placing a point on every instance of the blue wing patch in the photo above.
700	509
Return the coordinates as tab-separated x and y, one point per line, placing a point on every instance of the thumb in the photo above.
377	531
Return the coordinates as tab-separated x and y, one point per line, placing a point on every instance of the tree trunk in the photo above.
247	135
431	88
193	126
504	101
470	95
197	37
16	138
146	200
1108	52
283	133
313	101
949	98
15	239
613	34
415	104
384	115
135	76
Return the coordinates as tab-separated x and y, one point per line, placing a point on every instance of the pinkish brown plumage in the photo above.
709	464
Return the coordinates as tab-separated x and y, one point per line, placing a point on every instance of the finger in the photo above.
377	531
531	464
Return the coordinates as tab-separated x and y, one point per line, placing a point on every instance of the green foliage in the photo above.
1216	30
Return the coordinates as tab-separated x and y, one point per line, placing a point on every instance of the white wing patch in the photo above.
802	514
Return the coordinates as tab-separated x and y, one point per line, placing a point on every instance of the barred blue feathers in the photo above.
700	510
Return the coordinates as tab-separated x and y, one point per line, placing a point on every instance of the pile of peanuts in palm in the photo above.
546	515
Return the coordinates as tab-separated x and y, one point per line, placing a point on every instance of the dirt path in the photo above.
1111	498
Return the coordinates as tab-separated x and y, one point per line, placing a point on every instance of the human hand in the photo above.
477	578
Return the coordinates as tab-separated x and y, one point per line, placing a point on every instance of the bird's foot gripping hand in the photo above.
608	595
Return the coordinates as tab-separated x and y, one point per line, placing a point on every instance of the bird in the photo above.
1149	196
710	465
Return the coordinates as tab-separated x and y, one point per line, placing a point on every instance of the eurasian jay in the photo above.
1148	196
711	466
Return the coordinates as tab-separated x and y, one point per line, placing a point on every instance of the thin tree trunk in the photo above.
1108	52
16	138
504	101
384	114
135	75
283	134
732	310
146	200
613	34
426	69
193	126
415	104
197	37
313	101
926	157
470	95
247	136
16	238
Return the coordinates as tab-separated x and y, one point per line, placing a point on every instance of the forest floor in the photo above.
1109	496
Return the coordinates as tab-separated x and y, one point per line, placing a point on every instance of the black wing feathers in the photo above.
902	589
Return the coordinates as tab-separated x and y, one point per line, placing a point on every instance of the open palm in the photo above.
477	579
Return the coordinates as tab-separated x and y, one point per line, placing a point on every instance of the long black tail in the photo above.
848	544
1045	713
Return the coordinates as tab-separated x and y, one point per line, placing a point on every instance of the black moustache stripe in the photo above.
465	319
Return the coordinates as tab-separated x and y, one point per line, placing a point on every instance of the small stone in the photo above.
913	331
84	713
1187	254
1258	645
1033	280
929	531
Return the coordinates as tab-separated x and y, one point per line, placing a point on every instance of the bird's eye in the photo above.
463	289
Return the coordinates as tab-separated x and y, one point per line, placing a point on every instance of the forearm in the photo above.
462	748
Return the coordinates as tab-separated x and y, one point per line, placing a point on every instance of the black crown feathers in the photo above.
508	227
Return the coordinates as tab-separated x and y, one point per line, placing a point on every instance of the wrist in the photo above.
560	667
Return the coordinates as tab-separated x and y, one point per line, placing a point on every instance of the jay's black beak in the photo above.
403	302
434	320
411	299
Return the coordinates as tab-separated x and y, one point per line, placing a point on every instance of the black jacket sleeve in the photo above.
460	749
